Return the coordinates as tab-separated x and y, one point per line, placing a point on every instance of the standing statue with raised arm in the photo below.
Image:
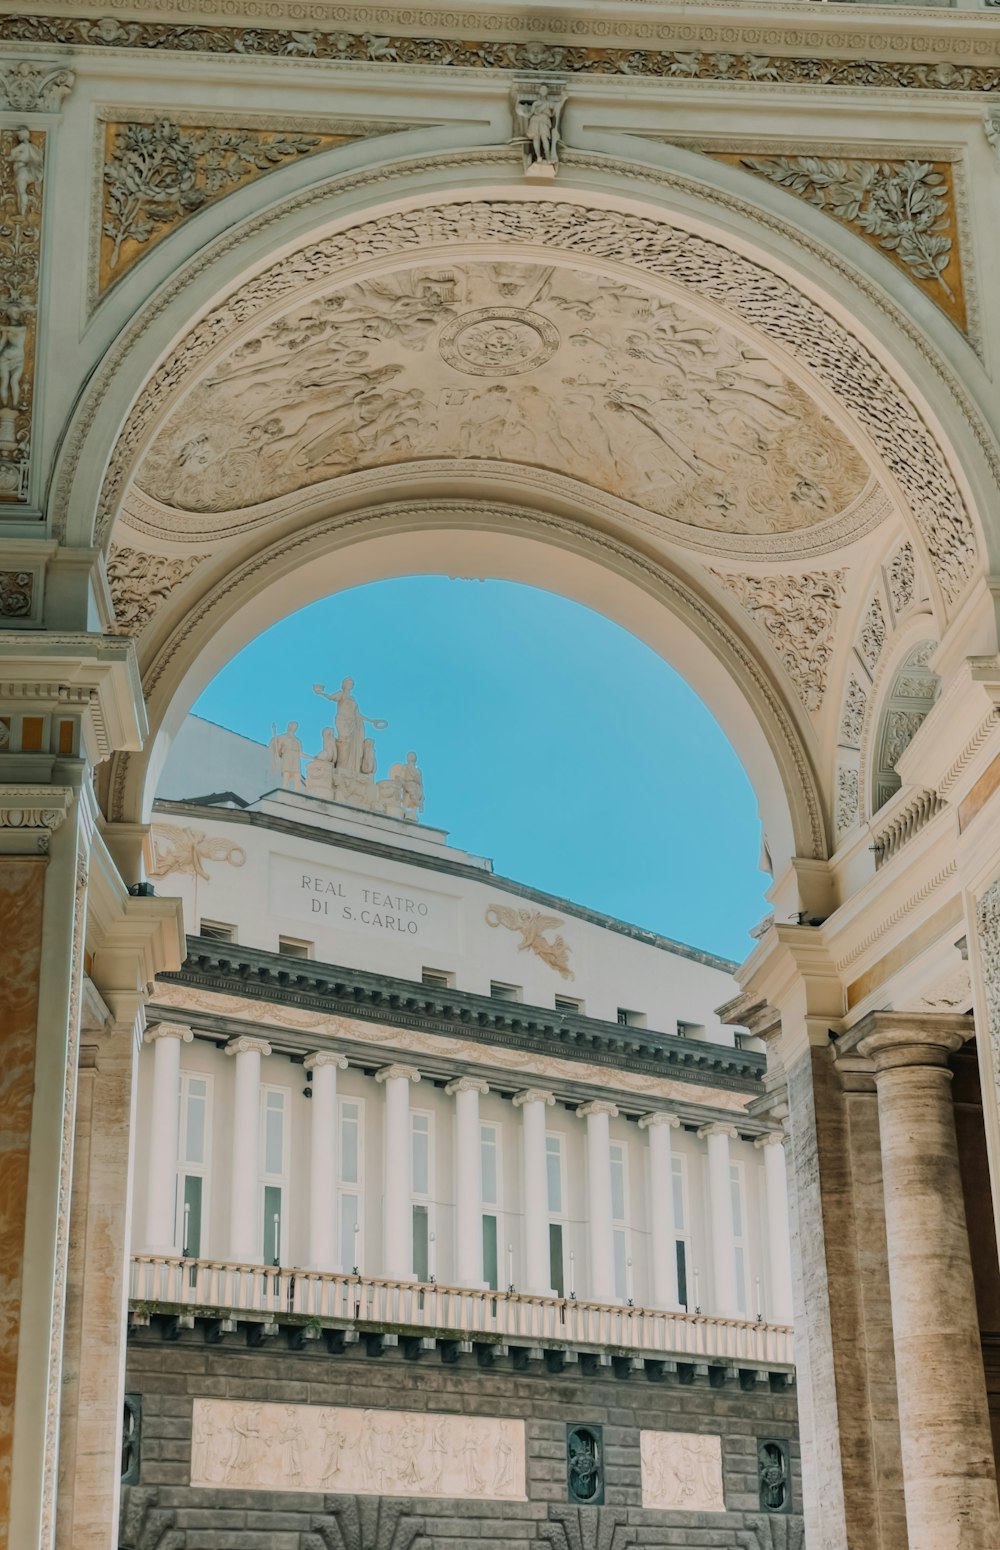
536	115
355	752
286	756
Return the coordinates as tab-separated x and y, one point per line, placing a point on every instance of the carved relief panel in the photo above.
368	1452
22	170
682	1471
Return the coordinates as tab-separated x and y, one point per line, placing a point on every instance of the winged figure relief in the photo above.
533	925
187	850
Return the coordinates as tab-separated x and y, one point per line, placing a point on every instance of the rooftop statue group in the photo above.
344	769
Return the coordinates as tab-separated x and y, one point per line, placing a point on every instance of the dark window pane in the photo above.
421	1243
490	1263
556	1257
682	1274
191	1221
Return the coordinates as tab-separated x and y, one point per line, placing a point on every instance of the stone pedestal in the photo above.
949	1476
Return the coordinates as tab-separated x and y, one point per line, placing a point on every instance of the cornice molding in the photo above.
256	975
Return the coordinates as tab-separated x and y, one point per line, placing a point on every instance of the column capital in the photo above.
534	1095
245	1045
657	1118
325	1057
467	1084
29	814
394	1073
598	1106
718	1128
772	1138
894	1039
168	1031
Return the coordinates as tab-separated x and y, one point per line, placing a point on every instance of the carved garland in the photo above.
760	298
664	581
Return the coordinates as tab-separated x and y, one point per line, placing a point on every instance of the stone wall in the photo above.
161	1510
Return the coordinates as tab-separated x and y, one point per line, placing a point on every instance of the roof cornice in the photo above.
255	975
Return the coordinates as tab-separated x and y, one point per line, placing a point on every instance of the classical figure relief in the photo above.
682	1471
22	167
186	851
537	110
580	374
286	756
158	174
798	614
239	1444
532	925
905	208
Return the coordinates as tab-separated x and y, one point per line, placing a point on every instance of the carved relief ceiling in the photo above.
579	374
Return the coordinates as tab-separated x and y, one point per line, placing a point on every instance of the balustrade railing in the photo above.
219	1286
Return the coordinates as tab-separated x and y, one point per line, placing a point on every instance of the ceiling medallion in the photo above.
498	342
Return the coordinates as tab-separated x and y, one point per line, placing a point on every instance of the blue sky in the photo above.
550	739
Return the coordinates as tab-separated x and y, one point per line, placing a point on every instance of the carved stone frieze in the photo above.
682	1471
140	582
465	51
872	637
988	931
31	87
853	716
22	169
905	208
902	578
532	926
159	172
798	614
763	300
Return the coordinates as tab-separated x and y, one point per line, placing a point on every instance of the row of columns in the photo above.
397	1224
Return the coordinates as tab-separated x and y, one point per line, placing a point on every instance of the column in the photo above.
397	1204
779	1309
663	1237
720	1195
468	1180
164	1125
244	1188
536	1276
949	1480
324	1066
598	1114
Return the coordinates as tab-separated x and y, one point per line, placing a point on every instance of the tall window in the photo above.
274	1172
739	1231
619	1218
350	1181
556	1200
192	1163
490	1162
421	1173
682	1231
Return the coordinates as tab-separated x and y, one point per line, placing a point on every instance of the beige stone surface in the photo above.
682	1471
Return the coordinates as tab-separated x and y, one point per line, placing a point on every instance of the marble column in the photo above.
244	1188
536	1274
468	1180
598	1114
397	1203
949	1479
323	1131
663	1238
720	1194
779	1309
164	1127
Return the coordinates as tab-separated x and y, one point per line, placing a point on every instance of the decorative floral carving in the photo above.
872	637
367	1523
901	727
158	174
187	850
532	925
587	1528
22	165
853	717
496	54
904	208
16	591
847	799
988	924
902	578
34	88
759	298
140	582
798	614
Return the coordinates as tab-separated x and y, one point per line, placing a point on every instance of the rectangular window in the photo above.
194	1119
191	1216
739	1239
420	1153
554	1173
274	1171
556	1258
681	1227
350	1175
490	1154
568	1004
193	1147
620	1244
291	947
437	979
421	1243
273	1099
682	1275
491	1252
630	1019
218	931
502	992
272	1224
